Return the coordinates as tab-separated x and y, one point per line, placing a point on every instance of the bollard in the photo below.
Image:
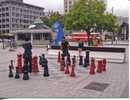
99	66
104	65
11	67
81	60
72	73
92	67
59	57
62	63
35	64
68	63
19	63
17	73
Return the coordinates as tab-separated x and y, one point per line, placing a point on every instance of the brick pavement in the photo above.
59	84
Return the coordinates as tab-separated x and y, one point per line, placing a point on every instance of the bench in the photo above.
112	54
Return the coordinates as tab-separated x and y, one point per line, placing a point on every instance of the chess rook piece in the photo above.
19	63
17	73
92	67
99	67
35	64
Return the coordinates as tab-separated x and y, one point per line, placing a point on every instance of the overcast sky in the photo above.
120	6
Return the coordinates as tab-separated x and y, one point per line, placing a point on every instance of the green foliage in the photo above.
52	18
89	13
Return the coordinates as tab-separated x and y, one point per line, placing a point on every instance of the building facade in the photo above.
69	3
16	15
38	33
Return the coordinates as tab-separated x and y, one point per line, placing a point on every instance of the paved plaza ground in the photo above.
61	85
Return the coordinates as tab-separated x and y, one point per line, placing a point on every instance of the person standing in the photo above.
28	54
80	47
65	47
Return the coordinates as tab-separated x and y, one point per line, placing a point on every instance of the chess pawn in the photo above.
17	73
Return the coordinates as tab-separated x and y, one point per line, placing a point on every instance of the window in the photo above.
22	36
37	36
7	8
7	14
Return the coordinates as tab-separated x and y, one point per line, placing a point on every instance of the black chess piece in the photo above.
44	63
25	75
10	72
17	73
81	60
87	58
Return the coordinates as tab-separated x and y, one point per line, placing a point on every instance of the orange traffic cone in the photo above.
35	64
99	67
19	63
59	57
104	65
92	67
72	73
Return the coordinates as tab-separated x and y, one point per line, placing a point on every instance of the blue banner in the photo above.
57	27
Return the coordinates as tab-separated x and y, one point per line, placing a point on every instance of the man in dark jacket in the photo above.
80	47
65	47
28	54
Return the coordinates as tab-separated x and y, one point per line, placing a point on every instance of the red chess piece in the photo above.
104	64
99	67
35	64
59	57
19	63
62	65
72	74
67	70
92	67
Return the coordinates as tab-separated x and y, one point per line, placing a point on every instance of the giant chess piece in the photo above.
17	73
68	64
72	73
11	67
86	60
10	72
62	63
80	60
44	63
25	75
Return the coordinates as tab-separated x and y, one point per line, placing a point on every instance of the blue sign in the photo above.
57	27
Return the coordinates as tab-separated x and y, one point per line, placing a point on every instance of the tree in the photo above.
84	14
52	18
